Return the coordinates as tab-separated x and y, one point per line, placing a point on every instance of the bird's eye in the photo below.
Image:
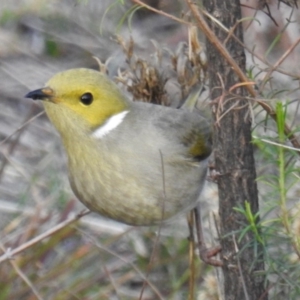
86	99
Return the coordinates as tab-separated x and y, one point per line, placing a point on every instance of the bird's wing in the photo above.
189	130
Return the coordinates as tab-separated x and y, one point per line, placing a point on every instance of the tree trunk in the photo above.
234	161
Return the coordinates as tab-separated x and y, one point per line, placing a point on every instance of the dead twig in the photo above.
9	254
24	277
243	78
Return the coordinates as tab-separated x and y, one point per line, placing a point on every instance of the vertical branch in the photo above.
233	154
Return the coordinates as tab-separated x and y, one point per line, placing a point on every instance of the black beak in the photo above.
40	94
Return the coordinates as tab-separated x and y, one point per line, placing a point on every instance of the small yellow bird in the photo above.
134	162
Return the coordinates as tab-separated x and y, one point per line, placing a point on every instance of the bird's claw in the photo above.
206	255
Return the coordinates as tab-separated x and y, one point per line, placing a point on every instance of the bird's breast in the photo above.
132	187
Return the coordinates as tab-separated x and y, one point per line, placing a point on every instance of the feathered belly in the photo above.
142	197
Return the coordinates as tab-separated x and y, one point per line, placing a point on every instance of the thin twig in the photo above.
161	12
112	281
139	272
23	276
240	269
277	144
154	251
256	55
190	221
243	78
22	126
279	62
9	254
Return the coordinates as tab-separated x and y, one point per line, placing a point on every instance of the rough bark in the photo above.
234	161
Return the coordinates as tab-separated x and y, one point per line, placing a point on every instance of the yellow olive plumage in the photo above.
134	162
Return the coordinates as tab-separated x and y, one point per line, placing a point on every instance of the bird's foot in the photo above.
206	255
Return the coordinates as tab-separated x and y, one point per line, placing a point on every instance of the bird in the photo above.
138	163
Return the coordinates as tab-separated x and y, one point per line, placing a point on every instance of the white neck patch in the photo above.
109	125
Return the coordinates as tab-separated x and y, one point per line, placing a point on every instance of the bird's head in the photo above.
83	96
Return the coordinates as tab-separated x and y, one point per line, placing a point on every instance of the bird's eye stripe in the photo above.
109	125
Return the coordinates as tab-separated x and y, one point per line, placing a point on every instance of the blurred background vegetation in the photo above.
152	58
